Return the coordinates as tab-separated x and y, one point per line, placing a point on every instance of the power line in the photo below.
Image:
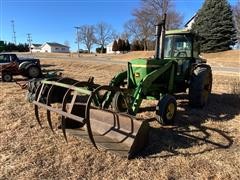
14	33
29	39
77	35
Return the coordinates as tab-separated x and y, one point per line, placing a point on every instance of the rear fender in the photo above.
203	65
25	65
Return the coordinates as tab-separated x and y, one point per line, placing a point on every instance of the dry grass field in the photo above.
203	144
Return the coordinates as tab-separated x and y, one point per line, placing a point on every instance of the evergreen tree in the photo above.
127	46
120	44
123	45
115	46
215	27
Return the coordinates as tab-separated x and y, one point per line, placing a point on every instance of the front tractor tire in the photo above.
166	110
119	103
6	77
200	87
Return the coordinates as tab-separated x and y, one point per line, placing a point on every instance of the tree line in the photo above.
140	30
9	47
216	23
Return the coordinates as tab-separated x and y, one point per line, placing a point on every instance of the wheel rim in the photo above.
170	111
7	77
33	72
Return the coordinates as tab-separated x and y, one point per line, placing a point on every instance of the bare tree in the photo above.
104	34
86	36
148	15
145	23
125	35
132	28
157	8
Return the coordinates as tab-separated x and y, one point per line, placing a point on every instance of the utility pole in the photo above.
29	39
14	33
77	39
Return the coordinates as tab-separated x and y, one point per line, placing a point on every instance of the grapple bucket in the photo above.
82	114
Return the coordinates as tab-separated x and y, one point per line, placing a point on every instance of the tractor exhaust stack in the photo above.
160	36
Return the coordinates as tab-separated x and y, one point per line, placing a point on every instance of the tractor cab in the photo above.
182	46
179	44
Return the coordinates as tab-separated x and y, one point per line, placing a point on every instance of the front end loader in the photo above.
105	114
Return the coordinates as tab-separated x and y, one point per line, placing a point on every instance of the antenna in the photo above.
77	39
29	39
14	33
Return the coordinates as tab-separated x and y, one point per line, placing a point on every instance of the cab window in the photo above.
177	46
4	58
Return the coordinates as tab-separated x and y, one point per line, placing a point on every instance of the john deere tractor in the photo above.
108	111
175	68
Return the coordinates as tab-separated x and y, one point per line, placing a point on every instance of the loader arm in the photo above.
146	83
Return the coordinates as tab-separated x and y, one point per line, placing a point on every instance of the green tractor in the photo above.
177	69
107	112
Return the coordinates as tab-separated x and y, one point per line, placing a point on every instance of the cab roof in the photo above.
177	31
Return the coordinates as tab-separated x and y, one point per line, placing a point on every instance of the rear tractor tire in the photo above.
200	87
166	110
7	77
33	72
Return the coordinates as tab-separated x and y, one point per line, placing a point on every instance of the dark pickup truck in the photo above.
11	65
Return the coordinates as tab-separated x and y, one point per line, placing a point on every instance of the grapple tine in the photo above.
49	120
64	103
87	119
63	126
87	112
37	96
37	115
63	121
48	102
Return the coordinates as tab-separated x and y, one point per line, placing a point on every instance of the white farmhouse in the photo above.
36	47
188	25
54	47
110	51
109	48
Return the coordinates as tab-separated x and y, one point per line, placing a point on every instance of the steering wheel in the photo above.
180	53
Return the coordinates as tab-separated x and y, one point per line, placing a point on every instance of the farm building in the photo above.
109	48
36	47
189	24
110	51
54	47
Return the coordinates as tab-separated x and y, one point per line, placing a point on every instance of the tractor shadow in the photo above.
52	70
189	136
47	65
47	68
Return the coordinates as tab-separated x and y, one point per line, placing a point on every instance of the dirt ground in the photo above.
203	144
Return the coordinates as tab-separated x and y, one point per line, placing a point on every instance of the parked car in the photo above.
11	65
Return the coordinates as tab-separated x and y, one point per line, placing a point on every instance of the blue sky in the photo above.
54	20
